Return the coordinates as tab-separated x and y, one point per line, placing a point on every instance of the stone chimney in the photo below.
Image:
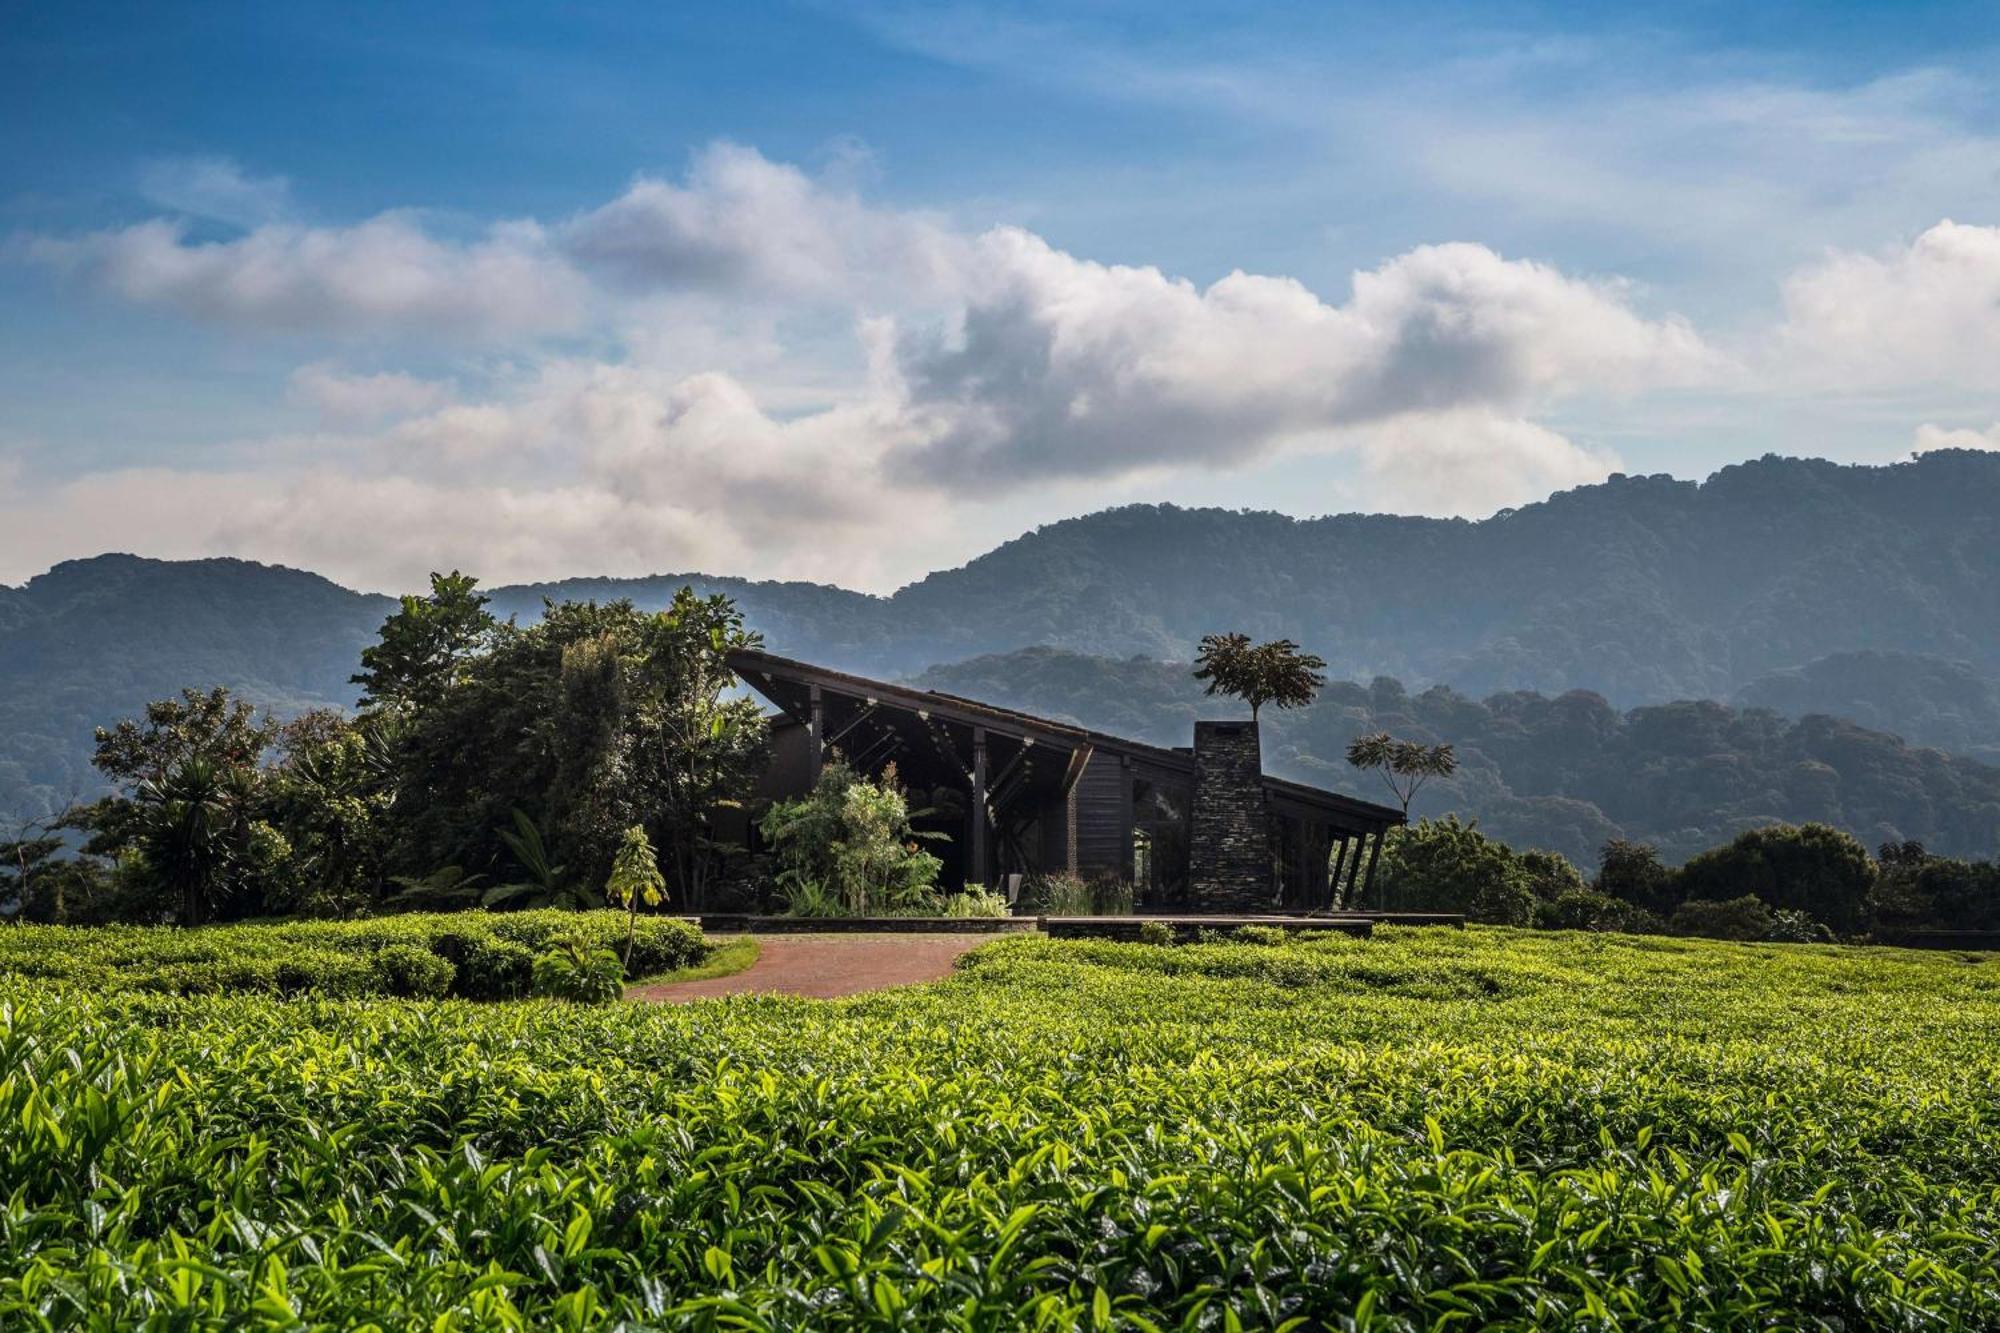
1229	853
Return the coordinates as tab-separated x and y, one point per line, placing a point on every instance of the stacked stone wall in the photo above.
1229	852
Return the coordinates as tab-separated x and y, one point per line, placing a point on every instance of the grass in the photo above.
726	957
1428	1129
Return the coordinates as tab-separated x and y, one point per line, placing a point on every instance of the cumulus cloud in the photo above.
1927	312
386	272
345	399
582	468
1930	437
1470	463
986	364
741	222
216	188
1061	366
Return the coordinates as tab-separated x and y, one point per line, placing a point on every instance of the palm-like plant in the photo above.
1404	765
545	885
184	820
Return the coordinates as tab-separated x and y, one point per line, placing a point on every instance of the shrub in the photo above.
975	902
1445	865
1266	935
1059	895
1808	867
1582	909
852	838
1745	918
1111	896
411	973
581	972
1155	932
1794	927
493	969
487	956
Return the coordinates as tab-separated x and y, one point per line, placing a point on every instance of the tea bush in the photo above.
1427	1129
473	955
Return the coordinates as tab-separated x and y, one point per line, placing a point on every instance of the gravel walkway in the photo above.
827	966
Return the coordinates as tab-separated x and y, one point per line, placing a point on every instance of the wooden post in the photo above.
1339	865
1368	883
816	729
976	868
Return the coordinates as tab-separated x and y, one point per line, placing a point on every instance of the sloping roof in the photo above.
753	664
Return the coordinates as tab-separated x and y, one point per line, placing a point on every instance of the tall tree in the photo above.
426	643
1405	766
189	832
1262	673
210	725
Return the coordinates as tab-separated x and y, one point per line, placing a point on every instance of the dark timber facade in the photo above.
1198	829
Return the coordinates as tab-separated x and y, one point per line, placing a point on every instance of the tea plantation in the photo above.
1424	1130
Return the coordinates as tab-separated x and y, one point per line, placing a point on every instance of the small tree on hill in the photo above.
1262	673
1404	765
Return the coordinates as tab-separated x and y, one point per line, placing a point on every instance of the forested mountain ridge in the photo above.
1926	700
1643	588
1771	582
1566	773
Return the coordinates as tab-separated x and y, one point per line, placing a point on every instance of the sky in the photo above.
851	292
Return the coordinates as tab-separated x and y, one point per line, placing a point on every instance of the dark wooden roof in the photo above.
763	670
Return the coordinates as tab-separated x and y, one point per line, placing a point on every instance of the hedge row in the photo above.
469	955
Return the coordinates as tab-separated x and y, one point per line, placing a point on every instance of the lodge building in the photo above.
1200	828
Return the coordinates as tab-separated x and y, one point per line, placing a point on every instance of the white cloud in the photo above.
743	223
1930	437
345	399
1470	463
217	188
1925	313
1060	366
583	468
385	273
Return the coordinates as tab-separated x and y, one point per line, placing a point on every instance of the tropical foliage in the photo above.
848	847
1426	1129
490	765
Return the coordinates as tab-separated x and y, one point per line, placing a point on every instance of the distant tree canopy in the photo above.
490	763
1277	672
1568	772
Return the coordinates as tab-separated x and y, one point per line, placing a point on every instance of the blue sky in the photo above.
851	292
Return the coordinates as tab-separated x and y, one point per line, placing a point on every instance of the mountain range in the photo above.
1805	587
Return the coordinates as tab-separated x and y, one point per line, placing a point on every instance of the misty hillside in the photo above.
1871	593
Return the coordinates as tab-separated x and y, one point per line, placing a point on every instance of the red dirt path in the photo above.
825	967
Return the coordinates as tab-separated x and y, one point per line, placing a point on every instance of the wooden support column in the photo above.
976	867
1368	882
1333	898
816	730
